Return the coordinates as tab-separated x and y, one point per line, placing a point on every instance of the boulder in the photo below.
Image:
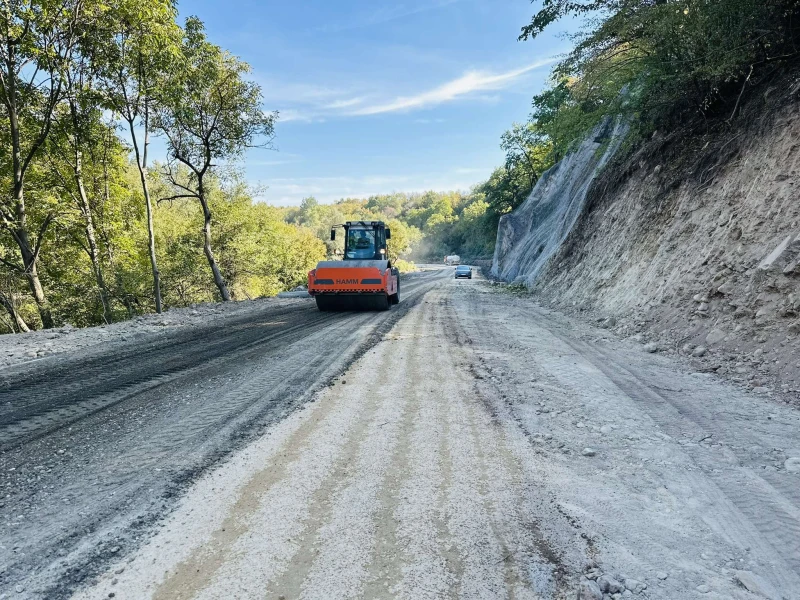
782	256
609	585
589	590
756	585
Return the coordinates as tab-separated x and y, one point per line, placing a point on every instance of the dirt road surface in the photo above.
467	445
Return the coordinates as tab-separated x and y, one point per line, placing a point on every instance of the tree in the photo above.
527	149
36	39
208	112
662	63
142	41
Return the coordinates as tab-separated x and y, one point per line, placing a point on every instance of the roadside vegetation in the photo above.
664	64
93	231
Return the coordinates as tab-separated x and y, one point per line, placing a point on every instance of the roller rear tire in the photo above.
353	303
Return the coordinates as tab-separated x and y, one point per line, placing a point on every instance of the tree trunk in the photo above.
19	229
91	237
29	260
16	318
212	262
149	207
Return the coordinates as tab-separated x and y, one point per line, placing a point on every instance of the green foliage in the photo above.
208	110
405	266
660	62
528	151
424	226
74	223
259	254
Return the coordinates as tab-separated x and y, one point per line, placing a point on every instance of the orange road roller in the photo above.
364	279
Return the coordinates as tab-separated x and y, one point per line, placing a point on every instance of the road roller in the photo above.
364	279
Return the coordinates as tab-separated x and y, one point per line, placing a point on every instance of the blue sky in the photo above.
377	97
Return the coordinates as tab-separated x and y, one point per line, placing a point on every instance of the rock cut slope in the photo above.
690	244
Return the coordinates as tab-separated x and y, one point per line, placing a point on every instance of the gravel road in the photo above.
97	443
470	445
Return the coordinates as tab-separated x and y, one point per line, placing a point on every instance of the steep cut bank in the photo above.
690	244
532	234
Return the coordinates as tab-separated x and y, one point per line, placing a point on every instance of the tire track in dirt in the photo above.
126	463
759	515
715	485
347	538
408	562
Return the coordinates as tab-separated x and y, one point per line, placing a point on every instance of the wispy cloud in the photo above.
345	103
469	83
385	14
315	103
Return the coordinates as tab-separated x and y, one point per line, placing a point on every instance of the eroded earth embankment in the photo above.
690	244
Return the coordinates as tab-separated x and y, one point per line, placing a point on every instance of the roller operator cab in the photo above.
364	279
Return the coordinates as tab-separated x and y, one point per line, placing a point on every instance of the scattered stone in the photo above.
589	590
637	587
773	261
753	583
608	323
593	573
589	452
606	429
726	288
792	465
651	348
763	312
699	352
703	588
115	549
609	585
662	575
715	336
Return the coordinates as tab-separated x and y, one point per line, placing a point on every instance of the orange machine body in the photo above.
354	284
351	281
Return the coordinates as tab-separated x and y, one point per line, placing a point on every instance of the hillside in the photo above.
688	244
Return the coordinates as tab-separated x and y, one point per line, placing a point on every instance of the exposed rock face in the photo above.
533	233
700	253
